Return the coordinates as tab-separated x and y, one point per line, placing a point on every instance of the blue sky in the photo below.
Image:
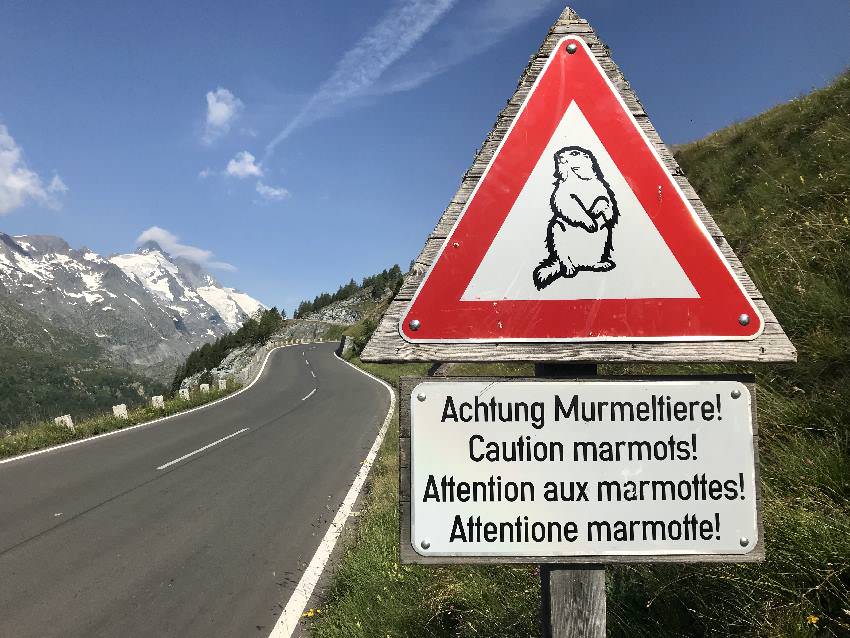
293	145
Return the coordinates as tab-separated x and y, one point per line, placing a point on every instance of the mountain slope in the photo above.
146	310
49	370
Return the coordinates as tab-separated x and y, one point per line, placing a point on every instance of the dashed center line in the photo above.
312	392
206	447
313	373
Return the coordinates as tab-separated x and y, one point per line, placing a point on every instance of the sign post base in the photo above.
573	601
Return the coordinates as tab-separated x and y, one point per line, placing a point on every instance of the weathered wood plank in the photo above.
403	450
574	602
771	345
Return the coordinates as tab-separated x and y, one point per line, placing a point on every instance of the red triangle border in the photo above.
443	318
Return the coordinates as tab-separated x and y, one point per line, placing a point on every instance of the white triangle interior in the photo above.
645	267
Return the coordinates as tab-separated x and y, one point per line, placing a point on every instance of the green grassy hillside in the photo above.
48	371
778	185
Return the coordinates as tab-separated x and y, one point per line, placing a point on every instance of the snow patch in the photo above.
92	280
152	270
90	256
248	304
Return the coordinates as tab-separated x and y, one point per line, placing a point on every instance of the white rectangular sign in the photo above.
582	468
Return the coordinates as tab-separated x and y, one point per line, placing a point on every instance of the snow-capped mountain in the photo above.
147	309
183	287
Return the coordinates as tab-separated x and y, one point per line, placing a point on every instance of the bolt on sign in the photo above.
603	470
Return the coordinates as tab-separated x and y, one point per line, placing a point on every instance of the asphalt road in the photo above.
95	540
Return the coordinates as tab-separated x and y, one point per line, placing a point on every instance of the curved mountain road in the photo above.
198	525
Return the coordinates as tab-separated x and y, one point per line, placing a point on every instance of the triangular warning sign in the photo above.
577	232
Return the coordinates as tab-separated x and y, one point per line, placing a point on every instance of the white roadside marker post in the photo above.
65	420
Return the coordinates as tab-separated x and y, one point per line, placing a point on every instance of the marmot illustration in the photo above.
584	213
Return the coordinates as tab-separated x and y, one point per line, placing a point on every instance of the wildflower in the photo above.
812	619
802	181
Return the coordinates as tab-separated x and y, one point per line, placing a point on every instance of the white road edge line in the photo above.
146	423
312	392
201	449
288	622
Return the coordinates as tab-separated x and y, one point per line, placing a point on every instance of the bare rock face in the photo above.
347	311
306	329
145	310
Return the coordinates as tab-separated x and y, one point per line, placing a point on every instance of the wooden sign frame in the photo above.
386	344
408	555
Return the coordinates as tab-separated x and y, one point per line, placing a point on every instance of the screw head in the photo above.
421	396
572	48
736	393
744	541
455	245
414	324
744	319
425	544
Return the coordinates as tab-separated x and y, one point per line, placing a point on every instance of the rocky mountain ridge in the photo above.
348	311
145	310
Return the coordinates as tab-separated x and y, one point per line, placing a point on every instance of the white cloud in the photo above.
171	244
223	109
244	165
57	185
207	172
272	193
477	27
18	183
393	36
